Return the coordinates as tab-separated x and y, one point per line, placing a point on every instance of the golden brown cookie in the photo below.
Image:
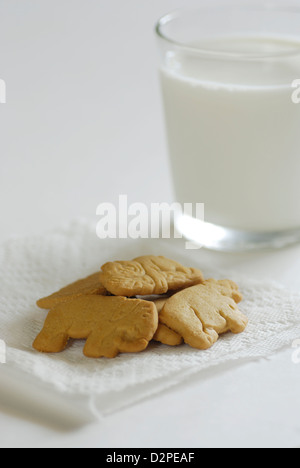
201	313
226	288
111	325
164	334
84	287
147	275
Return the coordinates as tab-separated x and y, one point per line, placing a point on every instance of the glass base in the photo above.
210	236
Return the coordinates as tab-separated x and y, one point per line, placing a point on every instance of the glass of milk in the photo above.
230	78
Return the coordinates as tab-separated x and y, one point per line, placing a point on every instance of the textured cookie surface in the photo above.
84	287
226	288
110	325
164	334
147	275
201	313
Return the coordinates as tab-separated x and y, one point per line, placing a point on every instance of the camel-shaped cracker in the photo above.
83	287
147	275
111	325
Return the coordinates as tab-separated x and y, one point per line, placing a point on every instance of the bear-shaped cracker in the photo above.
110	325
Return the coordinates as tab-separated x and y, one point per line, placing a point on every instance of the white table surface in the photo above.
82	124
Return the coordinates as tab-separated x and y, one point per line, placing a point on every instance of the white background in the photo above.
83	119
82	124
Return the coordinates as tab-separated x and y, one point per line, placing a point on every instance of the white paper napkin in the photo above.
33	267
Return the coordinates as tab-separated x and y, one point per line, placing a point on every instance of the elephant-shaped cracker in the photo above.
147	275
201	313
226	288
110	325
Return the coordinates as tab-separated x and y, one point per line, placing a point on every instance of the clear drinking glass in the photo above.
230	78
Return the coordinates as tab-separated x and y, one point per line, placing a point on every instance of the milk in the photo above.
234	133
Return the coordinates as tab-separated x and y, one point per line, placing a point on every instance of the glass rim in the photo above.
263	6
